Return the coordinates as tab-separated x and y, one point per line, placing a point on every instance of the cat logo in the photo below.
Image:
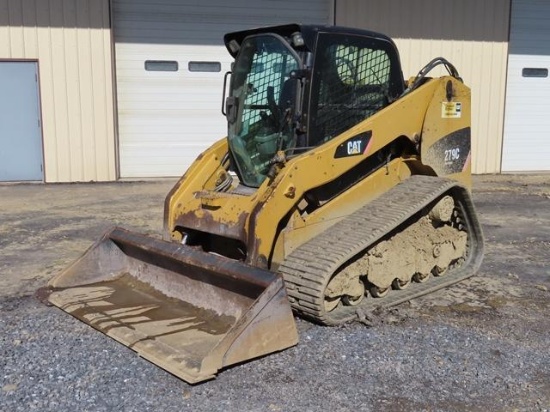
354	147
357	145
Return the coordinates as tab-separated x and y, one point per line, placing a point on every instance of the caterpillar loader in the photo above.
340	188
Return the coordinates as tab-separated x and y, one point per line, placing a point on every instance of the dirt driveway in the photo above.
45	227
479	345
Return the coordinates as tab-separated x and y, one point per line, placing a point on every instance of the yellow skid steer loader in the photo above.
339	188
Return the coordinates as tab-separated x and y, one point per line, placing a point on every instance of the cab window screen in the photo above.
354	79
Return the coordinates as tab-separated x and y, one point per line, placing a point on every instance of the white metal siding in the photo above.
527	126
167	118
472	34
71	41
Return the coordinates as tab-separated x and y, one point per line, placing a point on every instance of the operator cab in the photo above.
295	87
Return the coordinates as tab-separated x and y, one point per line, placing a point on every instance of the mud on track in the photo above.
479	345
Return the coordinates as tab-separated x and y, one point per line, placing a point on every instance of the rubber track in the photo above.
308	269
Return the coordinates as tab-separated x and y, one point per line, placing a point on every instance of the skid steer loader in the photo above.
340	188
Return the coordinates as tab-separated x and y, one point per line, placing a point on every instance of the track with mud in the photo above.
310	267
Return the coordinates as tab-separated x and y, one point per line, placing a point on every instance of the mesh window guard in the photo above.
268	71
354	84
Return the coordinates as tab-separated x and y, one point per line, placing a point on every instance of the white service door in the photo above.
20	125
526	145
170	111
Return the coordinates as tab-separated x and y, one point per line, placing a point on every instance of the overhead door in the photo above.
526	144
170	64
20	131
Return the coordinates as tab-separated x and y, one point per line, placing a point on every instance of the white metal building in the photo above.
96	90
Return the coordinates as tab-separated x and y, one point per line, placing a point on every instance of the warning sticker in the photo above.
451	110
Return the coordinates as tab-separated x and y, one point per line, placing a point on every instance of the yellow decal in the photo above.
451	110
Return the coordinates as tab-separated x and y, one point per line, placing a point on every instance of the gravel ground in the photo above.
479	345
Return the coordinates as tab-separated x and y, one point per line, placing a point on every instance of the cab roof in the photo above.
309	34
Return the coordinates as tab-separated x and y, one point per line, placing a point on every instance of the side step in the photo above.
309	268
190	312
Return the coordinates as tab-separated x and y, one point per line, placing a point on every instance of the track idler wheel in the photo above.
351	293
439	271
377	292
399	284
421	277
357	297
331	303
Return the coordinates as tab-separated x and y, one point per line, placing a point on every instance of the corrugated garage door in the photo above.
170	63
526	144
